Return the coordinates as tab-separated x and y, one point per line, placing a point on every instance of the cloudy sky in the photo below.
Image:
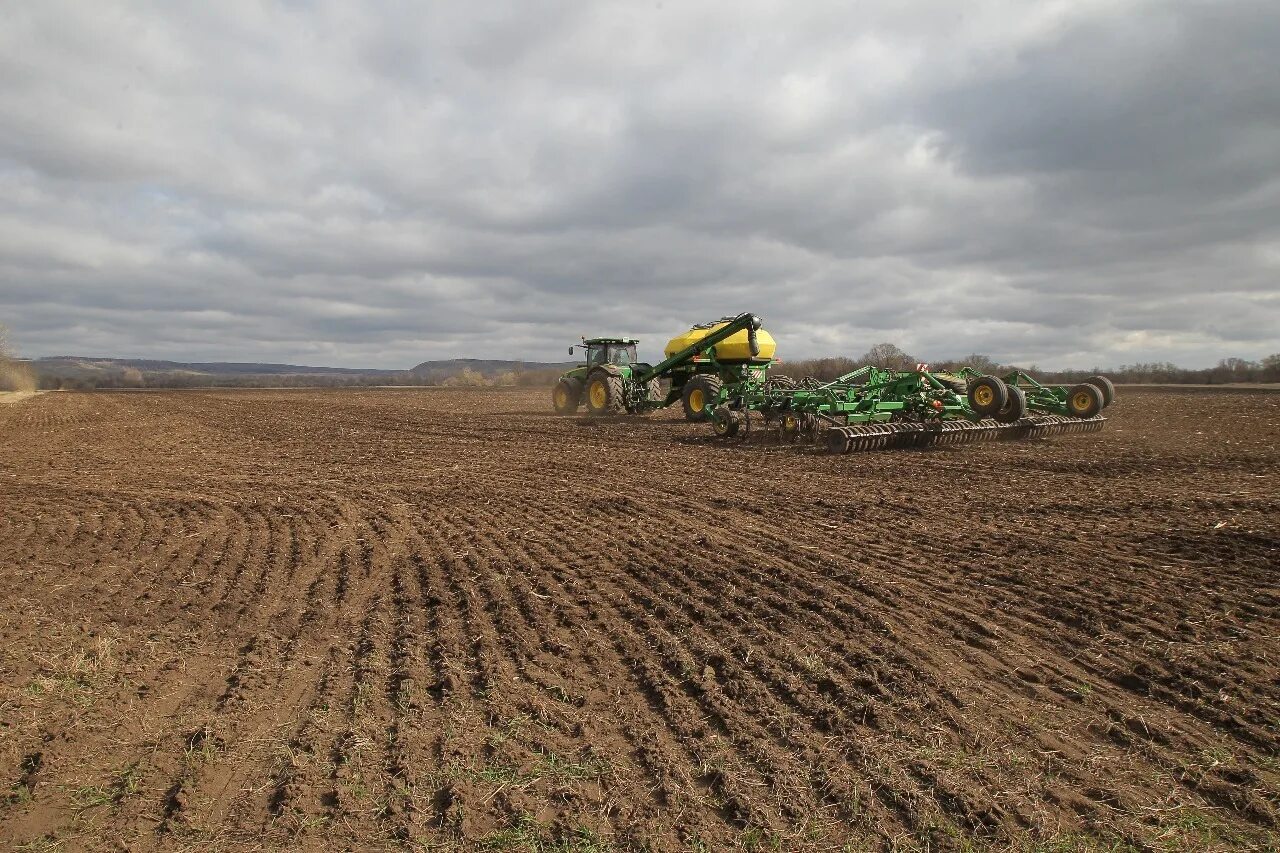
374	184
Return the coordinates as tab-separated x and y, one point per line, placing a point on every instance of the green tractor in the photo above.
608	381
613	381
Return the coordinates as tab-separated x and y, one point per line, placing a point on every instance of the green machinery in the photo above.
873	408
612	381
721	371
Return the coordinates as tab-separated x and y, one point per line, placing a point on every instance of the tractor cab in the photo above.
620	351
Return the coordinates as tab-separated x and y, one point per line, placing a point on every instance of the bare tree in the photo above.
981	363
889	356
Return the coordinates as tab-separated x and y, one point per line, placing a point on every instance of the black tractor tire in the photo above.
988	395
567	395
699	392
955	384
654	389
1084	400
1016	409
1106	387
605	393
728	422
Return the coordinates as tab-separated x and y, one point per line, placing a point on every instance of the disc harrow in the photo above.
895	436
877	409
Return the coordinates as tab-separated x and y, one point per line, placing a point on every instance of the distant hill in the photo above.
71	364
485	366
70	371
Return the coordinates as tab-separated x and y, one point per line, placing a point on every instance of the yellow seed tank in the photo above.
733	348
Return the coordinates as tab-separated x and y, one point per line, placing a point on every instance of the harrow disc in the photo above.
864	437
838	440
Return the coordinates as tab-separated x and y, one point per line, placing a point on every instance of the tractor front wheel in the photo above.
988	395
700	392
1084	400
605	394
567	395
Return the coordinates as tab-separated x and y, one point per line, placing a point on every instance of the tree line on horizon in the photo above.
888	355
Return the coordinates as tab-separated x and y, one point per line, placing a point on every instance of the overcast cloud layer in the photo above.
375	184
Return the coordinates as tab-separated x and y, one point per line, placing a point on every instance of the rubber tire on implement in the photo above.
1106	387
708	388
727	424
567	395
988	395
788	428
605	393
1016	409
1084	400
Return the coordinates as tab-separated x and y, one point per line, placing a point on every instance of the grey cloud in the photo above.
377	185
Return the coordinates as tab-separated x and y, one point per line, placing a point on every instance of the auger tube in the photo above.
750	322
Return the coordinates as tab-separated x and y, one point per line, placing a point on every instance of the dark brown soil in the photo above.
444	619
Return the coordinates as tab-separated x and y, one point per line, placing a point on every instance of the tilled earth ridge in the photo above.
447	619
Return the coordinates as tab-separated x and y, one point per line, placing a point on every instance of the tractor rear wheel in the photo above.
988	395
1016	409
605	394
699	393
567	395
1084	400
654	389
1104	385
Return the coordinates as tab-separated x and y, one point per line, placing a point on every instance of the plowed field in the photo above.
449	620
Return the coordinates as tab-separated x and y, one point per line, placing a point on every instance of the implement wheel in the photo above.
699	393
1104	385
605	394
1016	409
1084	400
567	395
789	428
727	422
988	395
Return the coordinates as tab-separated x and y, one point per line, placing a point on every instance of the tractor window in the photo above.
622	353
595	354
